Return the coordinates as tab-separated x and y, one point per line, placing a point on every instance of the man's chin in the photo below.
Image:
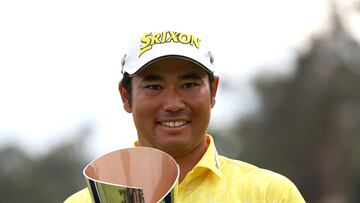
176	150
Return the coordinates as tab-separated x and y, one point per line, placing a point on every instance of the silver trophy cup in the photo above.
133	175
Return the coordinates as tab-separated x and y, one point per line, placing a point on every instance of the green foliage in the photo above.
309	124
47	179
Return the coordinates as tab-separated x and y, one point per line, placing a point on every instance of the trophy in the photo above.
133	175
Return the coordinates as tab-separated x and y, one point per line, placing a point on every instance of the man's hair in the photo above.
126	82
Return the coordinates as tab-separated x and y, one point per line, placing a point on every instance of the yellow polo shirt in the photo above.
216	178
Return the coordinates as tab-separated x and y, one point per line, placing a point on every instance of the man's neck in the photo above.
188	161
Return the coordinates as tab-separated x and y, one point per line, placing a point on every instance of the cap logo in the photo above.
150	39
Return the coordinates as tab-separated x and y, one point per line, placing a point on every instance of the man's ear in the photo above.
125	97
214	90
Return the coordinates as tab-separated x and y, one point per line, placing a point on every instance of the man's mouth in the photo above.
173	124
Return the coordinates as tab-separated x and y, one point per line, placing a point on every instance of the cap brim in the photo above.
143	66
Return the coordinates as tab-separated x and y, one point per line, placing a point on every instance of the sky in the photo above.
60	61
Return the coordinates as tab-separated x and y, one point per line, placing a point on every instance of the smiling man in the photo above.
169	86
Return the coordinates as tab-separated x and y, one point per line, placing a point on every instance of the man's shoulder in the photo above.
269	182
235	164
252	172
81	196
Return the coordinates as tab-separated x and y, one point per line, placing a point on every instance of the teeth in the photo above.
173	123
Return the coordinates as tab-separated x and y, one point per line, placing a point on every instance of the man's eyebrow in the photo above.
190	76
150	78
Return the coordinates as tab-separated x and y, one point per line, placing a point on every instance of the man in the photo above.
169	86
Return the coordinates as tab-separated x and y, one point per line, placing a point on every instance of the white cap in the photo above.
155	45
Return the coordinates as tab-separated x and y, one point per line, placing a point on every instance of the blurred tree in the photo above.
309	124
47	179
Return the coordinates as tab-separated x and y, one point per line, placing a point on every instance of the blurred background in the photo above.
289	98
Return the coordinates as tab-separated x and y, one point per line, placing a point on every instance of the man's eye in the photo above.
189	85
154	87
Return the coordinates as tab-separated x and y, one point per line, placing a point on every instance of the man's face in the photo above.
171	104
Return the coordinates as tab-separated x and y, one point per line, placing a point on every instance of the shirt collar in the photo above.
210	159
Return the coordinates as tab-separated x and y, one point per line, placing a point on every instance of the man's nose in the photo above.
173	101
